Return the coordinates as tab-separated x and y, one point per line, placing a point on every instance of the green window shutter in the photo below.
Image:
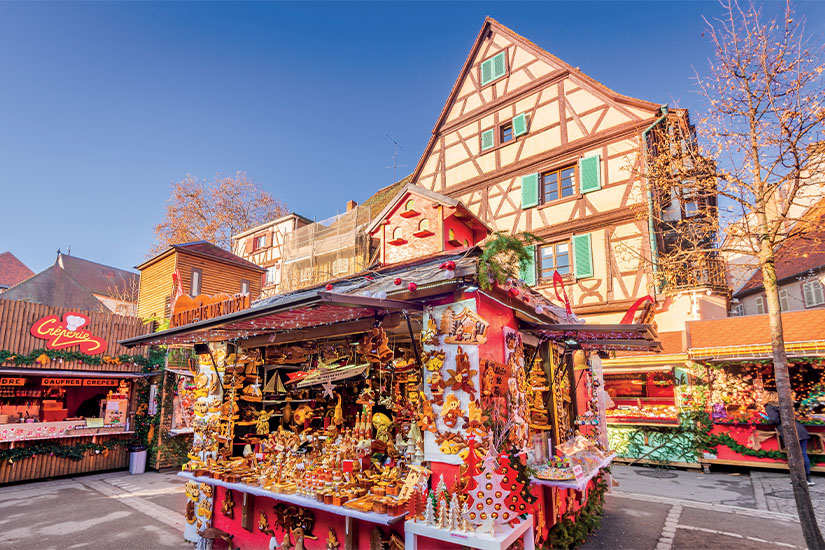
528	272
590	173
520	125
582	256
486	72
487	139
529	191
499	65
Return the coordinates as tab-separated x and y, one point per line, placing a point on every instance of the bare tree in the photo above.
764	131
214	211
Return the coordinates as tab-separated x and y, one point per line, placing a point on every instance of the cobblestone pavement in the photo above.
113	510
660	509
648	509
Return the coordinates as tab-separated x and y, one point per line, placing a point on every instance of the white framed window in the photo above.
812	291
259	242
784	302
737	310
197	281
272	274
244	286
760	305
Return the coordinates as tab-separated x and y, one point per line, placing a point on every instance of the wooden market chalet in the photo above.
427	272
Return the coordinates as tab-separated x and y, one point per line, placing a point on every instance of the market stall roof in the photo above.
748	337
640	337
301	310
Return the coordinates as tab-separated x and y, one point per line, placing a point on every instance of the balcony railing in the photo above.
686	273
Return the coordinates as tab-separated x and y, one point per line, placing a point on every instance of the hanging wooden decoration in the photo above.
465	327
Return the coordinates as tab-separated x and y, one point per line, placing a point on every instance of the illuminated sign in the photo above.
100	382
188	310
8	381
68	333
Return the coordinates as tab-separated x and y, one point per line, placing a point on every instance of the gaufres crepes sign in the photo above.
67	333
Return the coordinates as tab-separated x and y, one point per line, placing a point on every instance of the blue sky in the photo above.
104	105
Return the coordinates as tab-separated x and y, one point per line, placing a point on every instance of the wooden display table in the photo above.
501	540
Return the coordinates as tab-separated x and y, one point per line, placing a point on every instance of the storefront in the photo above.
67	390
371	409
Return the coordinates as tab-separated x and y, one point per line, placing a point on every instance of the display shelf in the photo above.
669	423
372	517
504	537
577	484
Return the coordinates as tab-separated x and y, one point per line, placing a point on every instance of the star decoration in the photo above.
328	387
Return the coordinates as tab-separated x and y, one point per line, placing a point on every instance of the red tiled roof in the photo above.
672	342
798	254
12	270
798	326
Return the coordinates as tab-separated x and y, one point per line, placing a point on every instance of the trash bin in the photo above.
137	459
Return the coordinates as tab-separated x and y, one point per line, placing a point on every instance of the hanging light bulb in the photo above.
381	294
539	309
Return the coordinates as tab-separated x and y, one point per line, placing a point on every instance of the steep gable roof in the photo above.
54	287
491	24
12	270
100	279
804	251
421	191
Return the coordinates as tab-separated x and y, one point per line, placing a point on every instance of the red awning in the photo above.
310	309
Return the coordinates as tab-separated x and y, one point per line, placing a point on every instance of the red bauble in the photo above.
412	286
397	281
514	292
329	287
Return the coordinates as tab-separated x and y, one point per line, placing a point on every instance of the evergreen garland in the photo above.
72	452
574	527
731	443
505	256
19	359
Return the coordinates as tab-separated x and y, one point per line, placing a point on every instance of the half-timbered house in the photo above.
263	245
529	143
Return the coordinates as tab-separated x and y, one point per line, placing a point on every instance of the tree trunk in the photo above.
804	506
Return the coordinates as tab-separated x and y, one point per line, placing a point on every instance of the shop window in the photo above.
196	283
812	291
558	184
784	305
554	257
306	274
244	286
760	305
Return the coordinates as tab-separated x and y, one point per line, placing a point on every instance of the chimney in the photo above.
351	205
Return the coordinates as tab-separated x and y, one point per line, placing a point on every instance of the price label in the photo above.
578	472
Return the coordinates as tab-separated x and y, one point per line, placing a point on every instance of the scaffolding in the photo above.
329	249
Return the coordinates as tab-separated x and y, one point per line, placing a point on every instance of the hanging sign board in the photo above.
109	382
62	381
12	381
191	310
67	333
